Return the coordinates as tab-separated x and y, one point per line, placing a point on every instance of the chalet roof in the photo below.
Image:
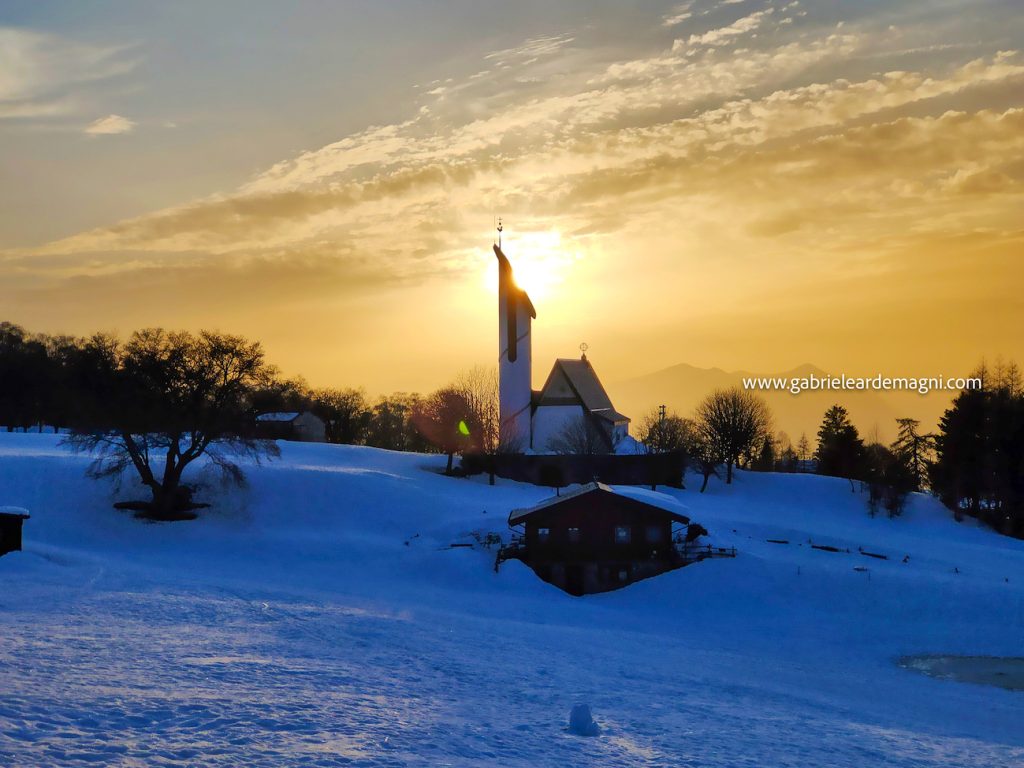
282	417
15	512
649	499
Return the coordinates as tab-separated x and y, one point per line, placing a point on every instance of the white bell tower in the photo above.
515	312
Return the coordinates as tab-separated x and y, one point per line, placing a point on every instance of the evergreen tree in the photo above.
979	452
765	459
840	450
888	479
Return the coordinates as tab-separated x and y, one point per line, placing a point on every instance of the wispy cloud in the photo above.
678	15
41	74
530	51
723	35
111	125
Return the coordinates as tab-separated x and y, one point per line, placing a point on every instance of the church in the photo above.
572	400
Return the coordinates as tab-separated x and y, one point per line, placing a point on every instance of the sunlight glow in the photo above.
541	262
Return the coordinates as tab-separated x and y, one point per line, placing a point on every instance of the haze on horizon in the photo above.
740	184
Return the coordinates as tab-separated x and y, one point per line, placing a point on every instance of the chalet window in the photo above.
623	535
574	535
654	534
623	575
543	534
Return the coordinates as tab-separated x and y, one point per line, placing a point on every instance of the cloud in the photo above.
42	75
727	151
111	125
568	150
678	15
530	51
723	35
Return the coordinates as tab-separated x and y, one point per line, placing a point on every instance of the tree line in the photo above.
153	404
974	462
54	382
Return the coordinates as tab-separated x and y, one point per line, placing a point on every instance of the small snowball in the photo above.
581	722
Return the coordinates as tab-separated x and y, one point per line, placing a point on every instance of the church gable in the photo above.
575	382
557	390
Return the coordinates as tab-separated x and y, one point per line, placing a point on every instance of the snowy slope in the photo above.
319	617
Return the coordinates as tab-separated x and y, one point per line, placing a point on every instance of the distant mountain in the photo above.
681	387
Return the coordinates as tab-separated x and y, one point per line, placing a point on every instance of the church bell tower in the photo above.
515	312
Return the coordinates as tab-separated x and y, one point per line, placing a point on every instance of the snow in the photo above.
321	617
283	416
629	446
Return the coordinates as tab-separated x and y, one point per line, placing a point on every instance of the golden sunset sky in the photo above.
731	183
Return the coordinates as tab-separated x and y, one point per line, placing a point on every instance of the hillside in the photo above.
320	617
683	386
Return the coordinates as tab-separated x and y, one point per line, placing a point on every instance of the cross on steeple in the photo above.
583	350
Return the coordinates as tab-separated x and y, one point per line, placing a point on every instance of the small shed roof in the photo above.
280	417
610	414
651	499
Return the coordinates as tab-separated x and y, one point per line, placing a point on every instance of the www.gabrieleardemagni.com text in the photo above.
922	385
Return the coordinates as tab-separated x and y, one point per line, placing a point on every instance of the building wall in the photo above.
620	432
309	428
561	470
595	517
549	421
515	385
574	544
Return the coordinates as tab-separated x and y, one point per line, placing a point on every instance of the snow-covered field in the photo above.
318	617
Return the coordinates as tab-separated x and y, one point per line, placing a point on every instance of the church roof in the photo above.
582	380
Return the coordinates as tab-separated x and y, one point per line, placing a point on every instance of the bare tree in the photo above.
579	436
479	387
733	421
173	398
803	447
662	432
703	456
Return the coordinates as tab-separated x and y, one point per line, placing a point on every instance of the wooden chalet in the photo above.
596	539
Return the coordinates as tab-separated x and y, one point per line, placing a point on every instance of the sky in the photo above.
743	184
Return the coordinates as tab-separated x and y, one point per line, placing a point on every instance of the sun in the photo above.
540	262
